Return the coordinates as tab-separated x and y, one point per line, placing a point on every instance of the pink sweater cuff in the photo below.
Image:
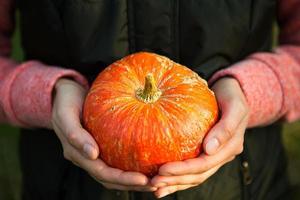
265	98
27	93
271	84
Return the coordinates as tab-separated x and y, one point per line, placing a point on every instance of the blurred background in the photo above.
11	177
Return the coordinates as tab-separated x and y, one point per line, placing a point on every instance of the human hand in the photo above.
79	146
223	142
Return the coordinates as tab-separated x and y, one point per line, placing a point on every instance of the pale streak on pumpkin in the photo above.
136	136
178	115
124	129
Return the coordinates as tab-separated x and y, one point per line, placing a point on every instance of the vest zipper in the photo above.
246	177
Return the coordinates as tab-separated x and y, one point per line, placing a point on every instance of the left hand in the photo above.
223	142
79	146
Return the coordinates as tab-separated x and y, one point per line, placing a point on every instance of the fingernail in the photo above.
88	150
212	146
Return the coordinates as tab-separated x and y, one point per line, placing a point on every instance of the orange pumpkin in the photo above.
145	110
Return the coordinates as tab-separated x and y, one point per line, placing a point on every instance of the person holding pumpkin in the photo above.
243	156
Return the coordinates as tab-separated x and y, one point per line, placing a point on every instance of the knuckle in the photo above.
72	137
99	170
98	173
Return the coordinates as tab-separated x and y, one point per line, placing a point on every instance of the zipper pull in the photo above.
247	179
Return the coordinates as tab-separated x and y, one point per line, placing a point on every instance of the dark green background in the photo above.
11	177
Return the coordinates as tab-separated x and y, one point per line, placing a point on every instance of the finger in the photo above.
204	162
129	188
171	184
194	166
113	175
195	179
162	181
233	114
162	192
103	173
65	144
71	130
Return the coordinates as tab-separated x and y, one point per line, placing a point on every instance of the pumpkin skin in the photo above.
138	133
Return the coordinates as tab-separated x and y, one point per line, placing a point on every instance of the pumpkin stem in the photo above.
150	93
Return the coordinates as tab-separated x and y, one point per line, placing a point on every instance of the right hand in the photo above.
79	146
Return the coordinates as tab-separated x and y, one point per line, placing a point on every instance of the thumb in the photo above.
66	118
233	114
234	109
79	138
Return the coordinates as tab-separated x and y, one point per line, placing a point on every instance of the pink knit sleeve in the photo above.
25	89
271	81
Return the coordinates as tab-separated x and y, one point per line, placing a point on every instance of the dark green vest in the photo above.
87	35
205	35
